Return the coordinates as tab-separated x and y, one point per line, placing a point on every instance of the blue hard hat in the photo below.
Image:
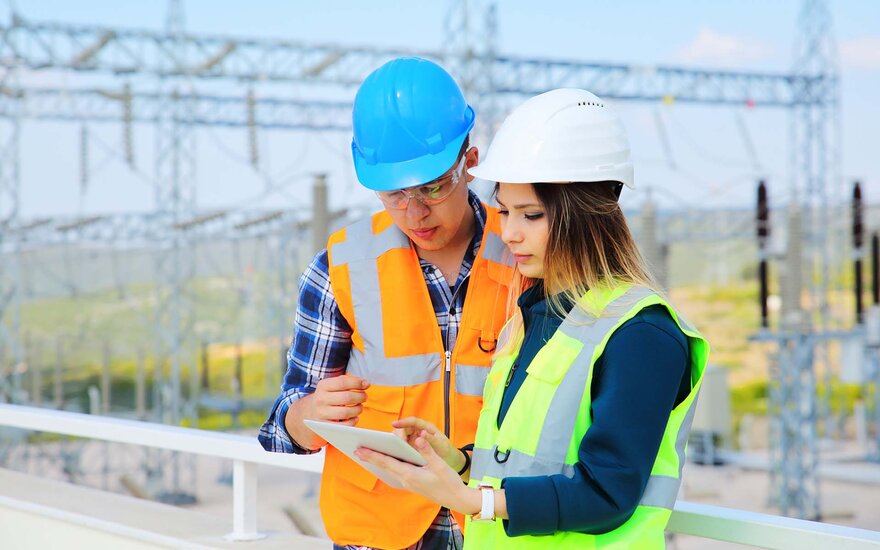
410	120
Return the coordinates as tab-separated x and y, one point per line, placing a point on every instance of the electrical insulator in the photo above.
127	126
252	128
763	227
83	159
858	229
875	268
763	215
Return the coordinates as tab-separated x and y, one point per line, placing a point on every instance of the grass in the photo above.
79	332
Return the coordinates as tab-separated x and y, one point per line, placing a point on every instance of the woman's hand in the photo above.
411	427
436	480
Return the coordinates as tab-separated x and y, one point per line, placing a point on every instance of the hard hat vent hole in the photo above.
589	103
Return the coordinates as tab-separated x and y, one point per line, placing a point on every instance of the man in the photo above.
406	304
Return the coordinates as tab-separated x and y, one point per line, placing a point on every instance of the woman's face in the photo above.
524	227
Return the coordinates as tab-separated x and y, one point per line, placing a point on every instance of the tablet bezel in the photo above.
348	438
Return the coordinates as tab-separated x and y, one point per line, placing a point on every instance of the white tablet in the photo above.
348	438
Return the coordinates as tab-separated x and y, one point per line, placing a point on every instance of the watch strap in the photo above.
487	510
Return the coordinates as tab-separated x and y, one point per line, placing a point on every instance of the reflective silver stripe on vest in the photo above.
558	427
661	492
495	250
360	251
683	431
361	244
505	335
684	322
367	303
396	371
484	464
470	379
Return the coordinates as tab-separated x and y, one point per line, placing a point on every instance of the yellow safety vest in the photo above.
550	414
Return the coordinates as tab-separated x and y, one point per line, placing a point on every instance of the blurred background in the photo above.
167	169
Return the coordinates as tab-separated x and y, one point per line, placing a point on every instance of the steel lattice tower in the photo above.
11	352
469	52
803	339
175	196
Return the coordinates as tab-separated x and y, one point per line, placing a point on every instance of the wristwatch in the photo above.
487	510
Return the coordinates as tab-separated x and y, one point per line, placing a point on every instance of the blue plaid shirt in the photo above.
322	337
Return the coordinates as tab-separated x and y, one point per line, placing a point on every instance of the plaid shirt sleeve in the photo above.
320	349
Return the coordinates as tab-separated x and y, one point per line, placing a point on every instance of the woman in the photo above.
580	442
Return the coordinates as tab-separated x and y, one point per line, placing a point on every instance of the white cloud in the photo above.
710	46
861	53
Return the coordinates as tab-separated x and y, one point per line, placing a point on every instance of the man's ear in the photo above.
472	158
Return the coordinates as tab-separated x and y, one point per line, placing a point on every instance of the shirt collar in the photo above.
533	301
480	225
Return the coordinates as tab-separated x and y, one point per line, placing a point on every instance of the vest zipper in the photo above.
510	374
447	372
446	377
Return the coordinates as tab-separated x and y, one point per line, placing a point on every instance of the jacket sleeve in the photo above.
320	349
641	375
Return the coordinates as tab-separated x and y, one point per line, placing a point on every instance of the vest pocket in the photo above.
555	358
381	408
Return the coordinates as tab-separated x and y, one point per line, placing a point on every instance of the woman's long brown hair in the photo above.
589	244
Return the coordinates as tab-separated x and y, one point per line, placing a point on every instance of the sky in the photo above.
703	161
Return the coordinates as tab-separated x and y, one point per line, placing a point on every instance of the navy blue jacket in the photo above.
640	376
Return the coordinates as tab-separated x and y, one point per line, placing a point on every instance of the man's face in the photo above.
434	227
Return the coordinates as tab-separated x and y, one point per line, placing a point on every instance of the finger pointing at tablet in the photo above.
435	480
411	427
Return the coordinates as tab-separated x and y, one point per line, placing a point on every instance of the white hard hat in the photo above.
561	136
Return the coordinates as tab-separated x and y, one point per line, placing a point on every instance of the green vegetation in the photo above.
79	330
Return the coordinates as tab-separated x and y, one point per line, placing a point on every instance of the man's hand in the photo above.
338	399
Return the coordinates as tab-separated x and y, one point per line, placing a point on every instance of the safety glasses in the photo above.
429	194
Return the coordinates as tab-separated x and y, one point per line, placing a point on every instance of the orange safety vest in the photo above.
397	346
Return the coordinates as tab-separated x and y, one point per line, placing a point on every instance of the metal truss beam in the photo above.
41	46
142	230
131	230
102	105
518	76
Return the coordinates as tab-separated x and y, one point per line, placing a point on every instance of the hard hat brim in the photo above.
489	171
401	175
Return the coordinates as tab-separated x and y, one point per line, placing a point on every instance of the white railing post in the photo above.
244	502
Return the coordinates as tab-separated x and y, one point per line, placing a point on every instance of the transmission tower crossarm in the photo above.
119	51
102	105
46	45
655	83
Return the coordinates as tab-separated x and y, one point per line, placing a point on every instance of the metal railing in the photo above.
701	520
244	452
